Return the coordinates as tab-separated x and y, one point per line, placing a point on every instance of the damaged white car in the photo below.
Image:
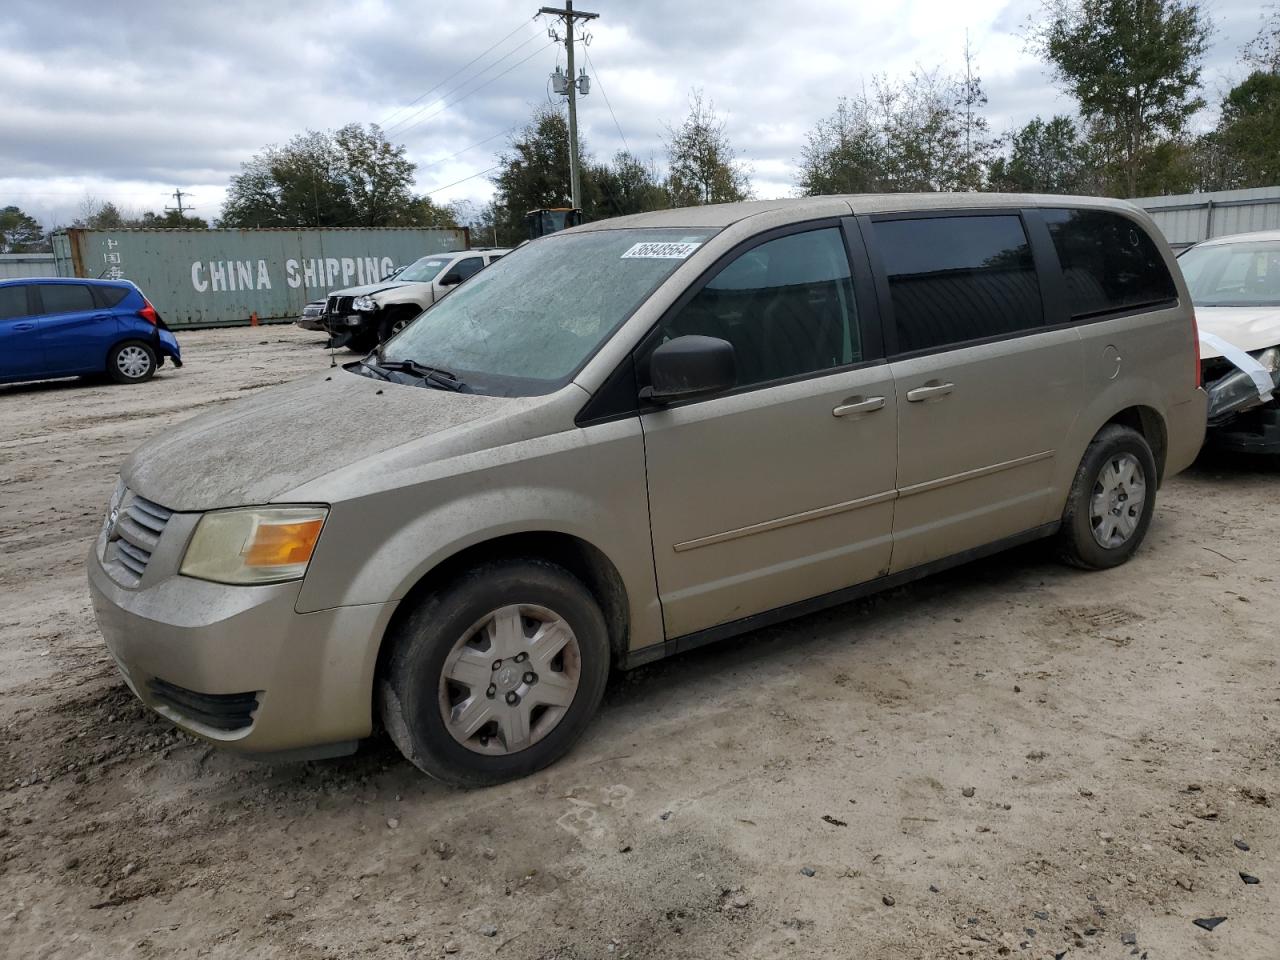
1235	284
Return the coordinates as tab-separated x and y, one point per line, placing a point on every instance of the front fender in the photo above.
586	483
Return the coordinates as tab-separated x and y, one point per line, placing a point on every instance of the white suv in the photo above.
362	317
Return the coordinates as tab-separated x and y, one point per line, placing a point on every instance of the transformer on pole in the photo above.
566	85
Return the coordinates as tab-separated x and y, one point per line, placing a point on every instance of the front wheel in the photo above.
496	675
395	321
131	362
1111	501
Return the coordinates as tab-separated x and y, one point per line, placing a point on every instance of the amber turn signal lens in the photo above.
282	544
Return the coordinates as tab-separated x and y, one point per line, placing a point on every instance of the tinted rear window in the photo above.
954	279
65	297
1108	261
13	302
110	296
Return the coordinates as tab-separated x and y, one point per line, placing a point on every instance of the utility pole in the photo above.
569	86
178	194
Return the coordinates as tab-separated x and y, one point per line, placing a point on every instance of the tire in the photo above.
362	342
133	361
431	668
1102	527
395	321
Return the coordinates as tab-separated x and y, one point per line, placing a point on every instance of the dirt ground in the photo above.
1010	759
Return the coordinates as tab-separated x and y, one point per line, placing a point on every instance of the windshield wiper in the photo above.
374	368
436	376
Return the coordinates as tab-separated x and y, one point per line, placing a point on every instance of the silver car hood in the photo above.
369	289
258	448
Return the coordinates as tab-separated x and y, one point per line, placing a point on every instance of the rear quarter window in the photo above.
1108	261
110	296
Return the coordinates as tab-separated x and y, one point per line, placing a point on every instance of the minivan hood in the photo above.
369	289
1249	328
258	448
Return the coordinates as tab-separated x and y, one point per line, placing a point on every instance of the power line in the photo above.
464	179
478	143
606	100
454	103
450	76
408	121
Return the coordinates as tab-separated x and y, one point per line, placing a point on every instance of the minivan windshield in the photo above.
424	270
1233	274
526	324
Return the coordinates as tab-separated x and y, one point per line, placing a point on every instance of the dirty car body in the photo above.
634	437
1235	283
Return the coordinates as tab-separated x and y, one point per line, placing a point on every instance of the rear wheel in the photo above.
1111	501
496	675
131	362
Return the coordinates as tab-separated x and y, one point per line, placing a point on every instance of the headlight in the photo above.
364	304
254	544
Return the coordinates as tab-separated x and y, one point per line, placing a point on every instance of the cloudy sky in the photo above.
125	100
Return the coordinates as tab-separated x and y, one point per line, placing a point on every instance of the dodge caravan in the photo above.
633	437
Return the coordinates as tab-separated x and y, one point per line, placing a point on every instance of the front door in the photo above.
781	489
20	353
986	393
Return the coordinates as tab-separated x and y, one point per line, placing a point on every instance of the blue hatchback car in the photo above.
67	327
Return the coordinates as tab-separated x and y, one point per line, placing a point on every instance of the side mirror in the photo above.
450	279
690	366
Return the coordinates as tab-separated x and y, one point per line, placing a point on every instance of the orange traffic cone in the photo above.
253	319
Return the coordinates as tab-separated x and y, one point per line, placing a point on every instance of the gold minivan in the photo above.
634	437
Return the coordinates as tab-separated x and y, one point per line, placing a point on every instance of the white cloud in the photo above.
128	100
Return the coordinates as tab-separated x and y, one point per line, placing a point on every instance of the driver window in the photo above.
786	306
469	267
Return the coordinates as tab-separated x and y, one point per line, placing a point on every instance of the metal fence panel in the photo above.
223	277
14	265
1188	218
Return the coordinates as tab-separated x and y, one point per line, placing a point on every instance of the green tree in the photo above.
843	153
534	173
1134	67
171	219
702	164
624	186
924	135
349	177
1045	156
20	232
1249	131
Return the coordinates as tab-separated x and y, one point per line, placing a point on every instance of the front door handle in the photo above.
24	326
858	406
930	391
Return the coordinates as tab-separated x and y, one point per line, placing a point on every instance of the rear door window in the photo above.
65	297
956	279
1108	261
109	296
13	302
468	267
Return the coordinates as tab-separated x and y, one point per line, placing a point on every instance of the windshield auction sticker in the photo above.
654	250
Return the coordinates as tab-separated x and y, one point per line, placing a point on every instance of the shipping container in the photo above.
206	278
14	265
1188	218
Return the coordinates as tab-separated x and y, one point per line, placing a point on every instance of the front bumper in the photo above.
1254	432
238	665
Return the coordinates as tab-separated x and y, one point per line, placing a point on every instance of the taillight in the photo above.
1195	336
148	312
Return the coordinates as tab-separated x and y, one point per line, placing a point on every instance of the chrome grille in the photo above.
339	306
133	533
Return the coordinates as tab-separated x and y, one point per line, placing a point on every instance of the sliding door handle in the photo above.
858	406
930	391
